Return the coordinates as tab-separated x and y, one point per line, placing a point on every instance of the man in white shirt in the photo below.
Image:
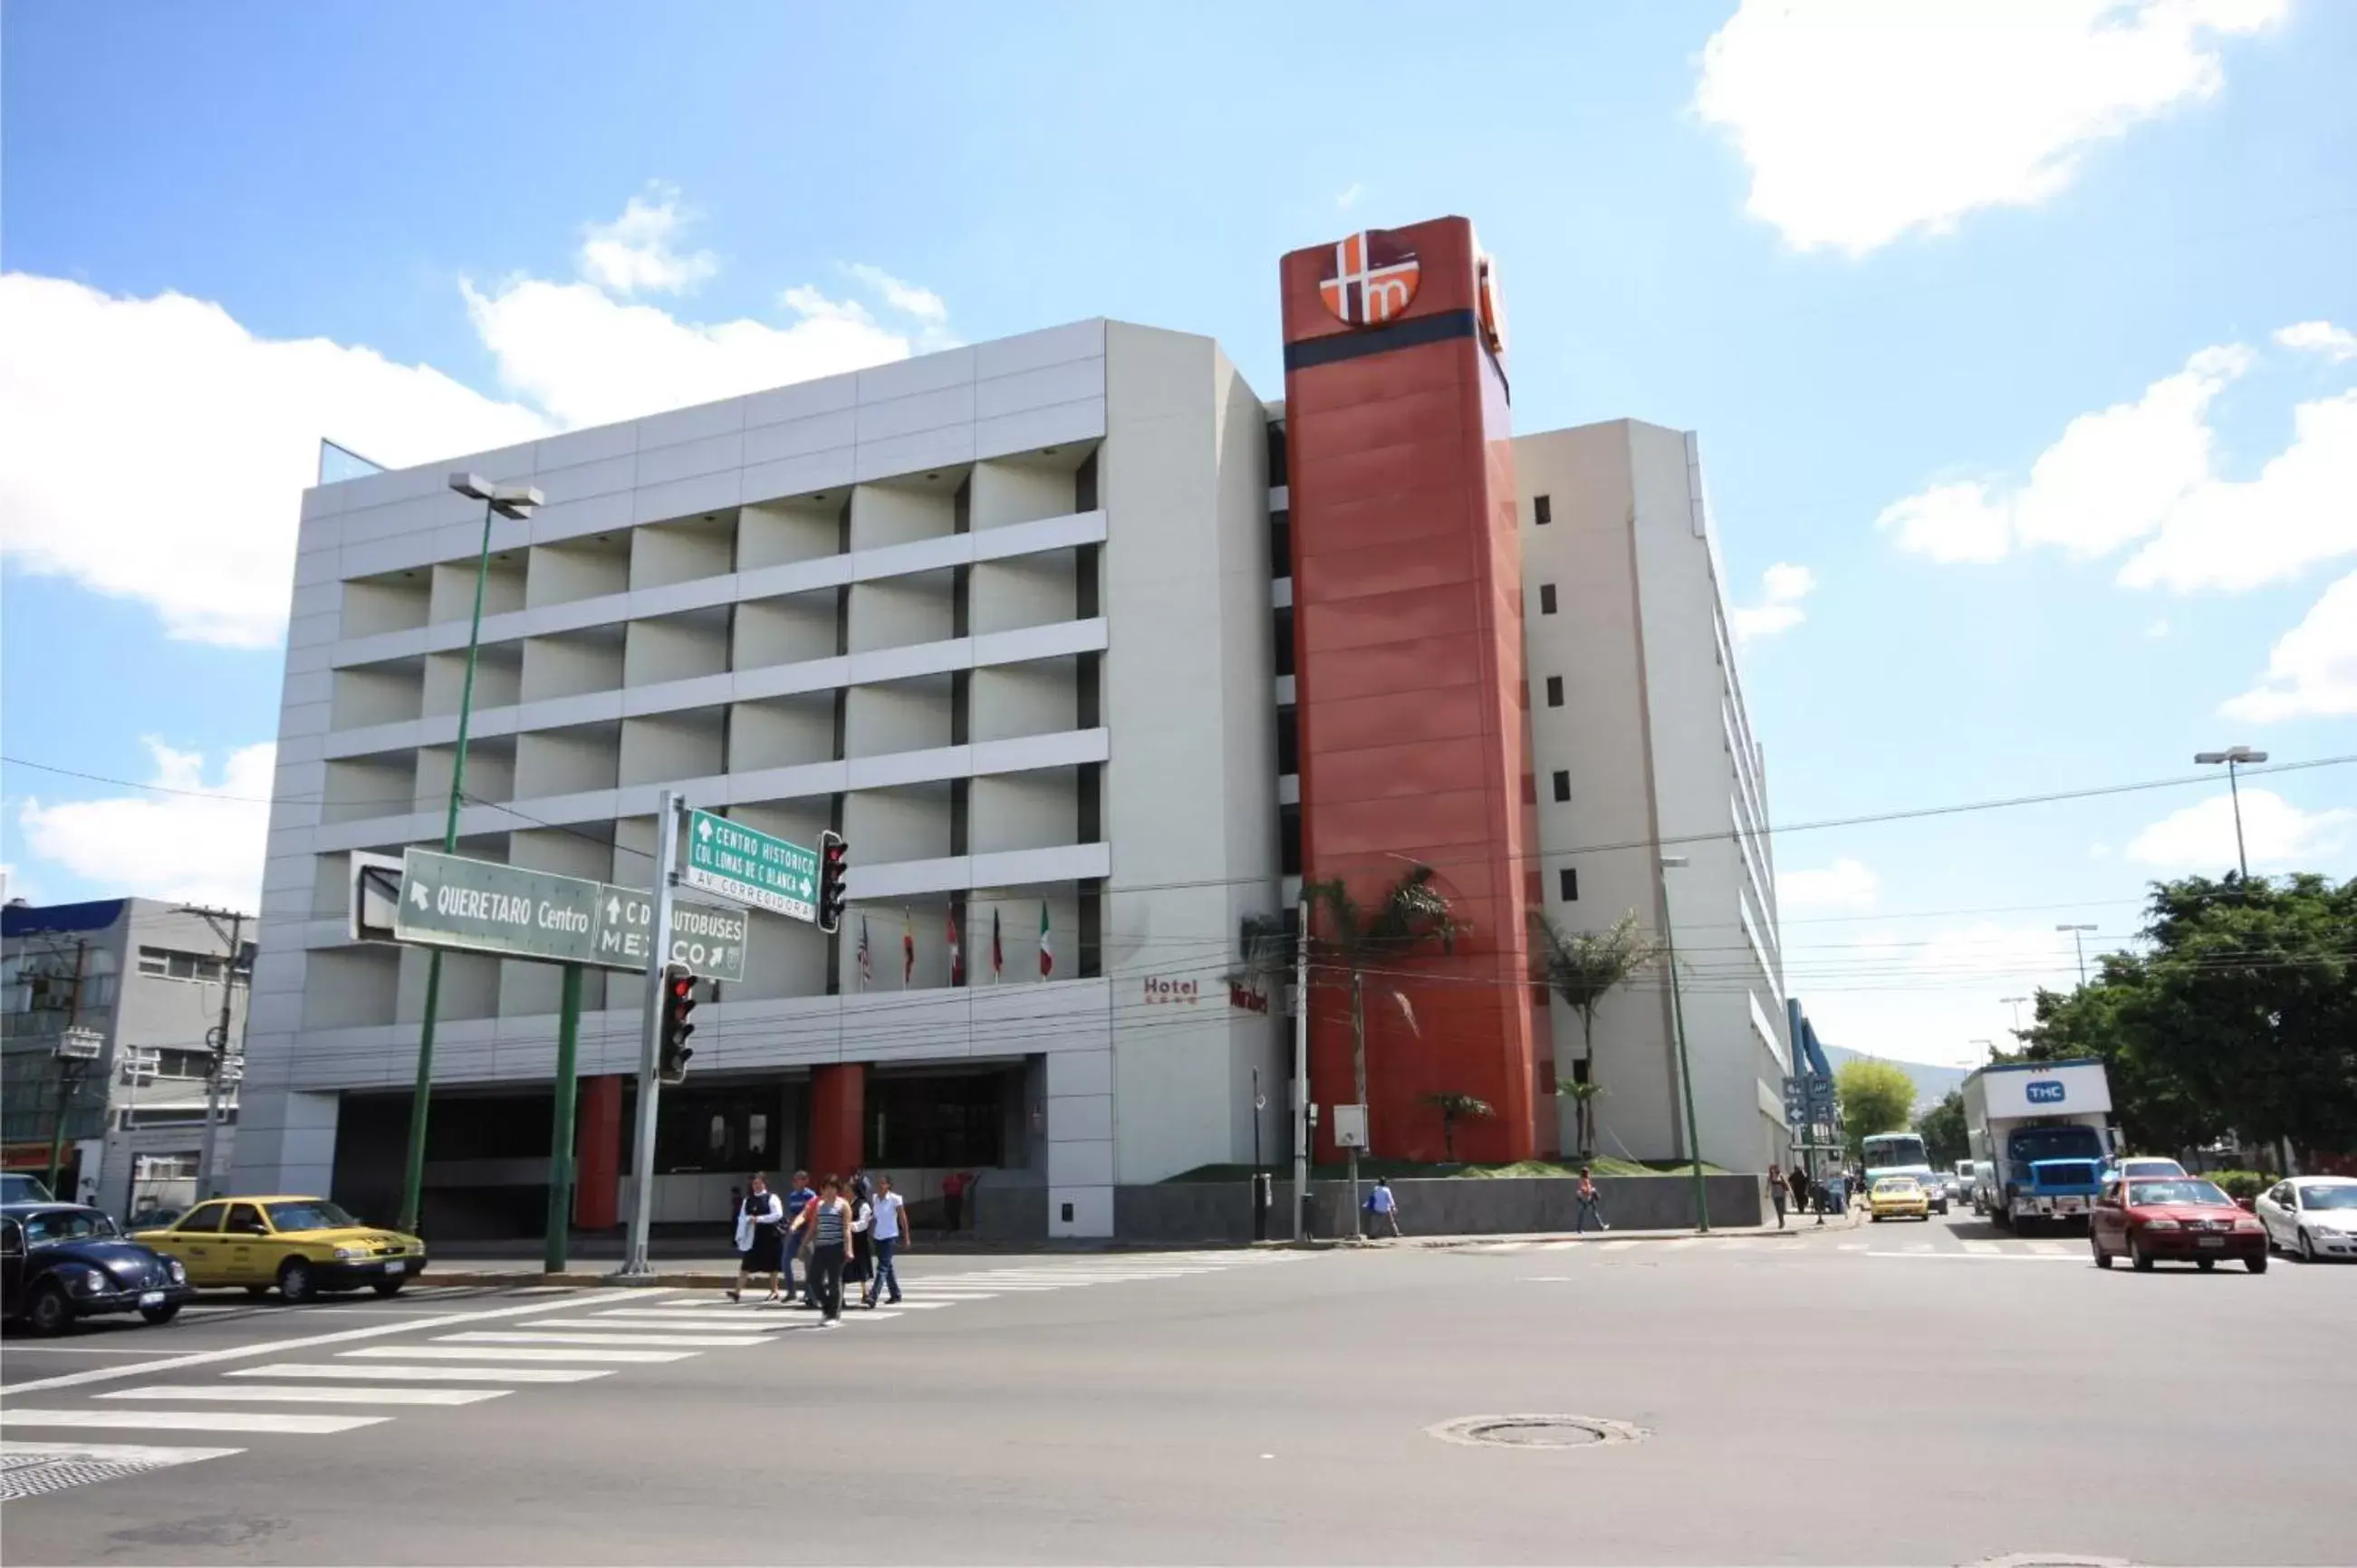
1384	1206
888	1229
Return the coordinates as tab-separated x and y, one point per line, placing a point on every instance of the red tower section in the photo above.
1409	678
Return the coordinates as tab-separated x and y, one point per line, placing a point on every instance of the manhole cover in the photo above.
1537	1431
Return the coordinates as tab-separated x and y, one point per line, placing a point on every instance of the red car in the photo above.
2183	1218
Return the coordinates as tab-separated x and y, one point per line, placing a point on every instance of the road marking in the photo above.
1983	1249
113	1452
1977	1257
665	1341
1921	1247
2053	1248
84	1350
428	1374
280	1346
695	1322
485	1353
1852	1247
1615	1246
1546	1279
306	1393
930	1306
190	1420
864	1315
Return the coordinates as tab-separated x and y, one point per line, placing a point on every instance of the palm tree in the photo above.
1411	913
1583	968
1451	1105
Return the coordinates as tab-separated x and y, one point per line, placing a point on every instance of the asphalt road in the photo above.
1929	1393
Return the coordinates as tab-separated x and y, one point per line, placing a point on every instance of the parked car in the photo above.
300	1246
2186	1219
2132	1166
16	1186
63	1261
2310	1217
1899	1196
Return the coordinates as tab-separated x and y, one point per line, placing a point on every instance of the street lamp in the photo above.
2080	946
2015	1003
2233	756
514	502
1685	1068
1990	1044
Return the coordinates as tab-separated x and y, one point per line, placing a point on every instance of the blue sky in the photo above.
1977	311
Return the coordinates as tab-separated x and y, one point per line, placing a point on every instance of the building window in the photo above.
1288	741
1275	455
179	965
935	1121
1280	544
1567	883
1546	598
1284	640
1563	784
1543	510
1554	691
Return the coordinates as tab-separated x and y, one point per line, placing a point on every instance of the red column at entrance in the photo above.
598	1155
1409	670
838	1108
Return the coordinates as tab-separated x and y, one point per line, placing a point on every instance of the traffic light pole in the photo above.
560	1139
635	1266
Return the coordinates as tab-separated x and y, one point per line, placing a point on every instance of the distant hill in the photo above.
1931	1083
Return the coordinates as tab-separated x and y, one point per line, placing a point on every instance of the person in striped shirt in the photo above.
826	1221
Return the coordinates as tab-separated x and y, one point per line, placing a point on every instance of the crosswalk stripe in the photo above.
912	1306
1982	1248
113	1452
1616	1246
307	1393
516	1353
1921	1247
766	1323
662	1341
190	1420
2053	1248
429	1374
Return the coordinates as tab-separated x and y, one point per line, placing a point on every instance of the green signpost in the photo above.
751	867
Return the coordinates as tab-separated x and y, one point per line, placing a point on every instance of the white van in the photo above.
1960	1182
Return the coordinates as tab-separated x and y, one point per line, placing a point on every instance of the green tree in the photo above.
1942	1127
1451	1105
1875	1098
1583	968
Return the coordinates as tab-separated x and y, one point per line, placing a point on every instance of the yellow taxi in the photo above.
1899	1196
299	1245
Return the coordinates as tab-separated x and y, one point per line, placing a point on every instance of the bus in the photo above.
1903	1154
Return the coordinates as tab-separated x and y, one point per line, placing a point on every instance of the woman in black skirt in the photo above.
759	1248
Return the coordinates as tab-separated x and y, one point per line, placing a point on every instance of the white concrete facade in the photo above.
999	614
1641	738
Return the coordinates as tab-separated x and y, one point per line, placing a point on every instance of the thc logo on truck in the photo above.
2045	1093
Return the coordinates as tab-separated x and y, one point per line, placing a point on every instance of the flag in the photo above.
867	964
908	949
957	954
997	954
1047	947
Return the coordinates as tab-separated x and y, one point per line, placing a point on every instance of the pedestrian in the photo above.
856	1273
826	1221
891	1230
1384	1206
953	1187
759	1248
798	1198
1778	1192
1799	1181
1586	1195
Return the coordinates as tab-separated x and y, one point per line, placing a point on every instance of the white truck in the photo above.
2041	1137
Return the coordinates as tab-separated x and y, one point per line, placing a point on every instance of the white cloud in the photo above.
158	450
2159	627
2313	668
2335	343
908	298
1928	999
1350	197
1846	884
1783	588
634	252
2200	837
1950	523
2237	534
202	843
1862	120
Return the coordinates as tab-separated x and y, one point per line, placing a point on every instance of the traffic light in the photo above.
834	868
678	1001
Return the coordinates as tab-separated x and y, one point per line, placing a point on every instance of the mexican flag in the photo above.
1047	947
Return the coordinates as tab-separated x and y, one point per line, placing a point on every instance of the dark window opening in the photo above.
1567	883
961	706
1092	802
1554	691
1288	741
1579	1066
1542	510
1084	581
961	814
1280	544
842	528
841	719
1563	784
935	1121
842	618
1289	841
1089	684
1091	929
1084	485
720	1127
1546	598
1275	455
962	601
1284	640
961	508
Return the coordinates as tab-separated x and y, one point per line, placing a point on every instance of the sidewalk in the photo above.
1794	1227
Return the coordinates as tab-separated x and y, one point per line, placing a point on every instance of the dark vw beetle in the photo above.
62	1262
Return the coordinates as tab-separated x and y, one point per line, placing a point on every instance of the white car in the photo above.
2312	1216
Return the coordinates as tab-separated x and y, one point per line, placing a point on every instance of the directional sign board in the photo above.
482	906
751	867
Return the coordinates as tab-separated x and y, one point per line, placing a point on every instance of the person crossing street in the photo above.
888	1228
826	1221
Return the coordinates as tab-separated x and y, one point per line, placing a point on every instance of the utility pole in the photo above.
1685	1067
2080	946
69	1069
635	1266
1301	1075
218	1036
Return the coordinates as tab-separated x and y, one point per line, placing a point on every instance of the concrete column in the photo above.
838	1101
597	1154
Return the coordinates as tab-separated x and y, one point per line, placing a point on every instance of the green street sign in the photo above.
482	906
450	901
751	867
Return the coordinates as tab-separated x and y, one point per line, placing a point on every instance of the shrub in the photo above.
2240	1185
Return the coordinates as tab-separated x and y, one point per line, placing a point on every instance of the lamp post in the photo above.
2233	756
515	502
1678	1025
2080	946
2015	1003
